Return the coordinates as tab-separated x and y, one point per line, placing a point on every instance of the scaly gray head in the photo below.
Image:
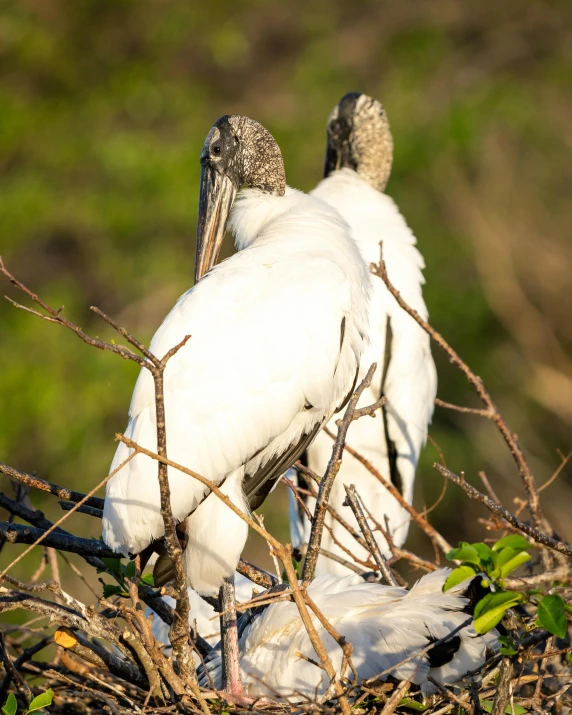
359	138
236	151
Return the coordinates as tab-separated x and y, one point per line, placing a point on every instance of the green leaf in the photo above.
483	550
490	609
40	701
507	647
458	575
552	615
487	706
412	705
568	607
148	579
111	590
130	570
11	705
514	541
113	565
465	552
517	560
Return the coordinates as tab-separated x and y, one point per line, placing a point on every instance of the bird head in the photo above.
359	138
237	151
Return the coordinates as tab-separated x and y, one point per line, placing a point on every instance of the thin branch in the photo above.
24	657
97	655
327	482
491	410
12	671
499	510
83	509
421	522
54	316
460	408
353	501
65	516
503	688
55	489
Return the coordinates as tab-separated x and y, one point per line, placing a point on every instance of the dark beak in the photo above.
333	159
216	197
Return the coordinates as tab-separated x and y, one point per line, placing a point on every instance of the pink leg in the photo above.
231	680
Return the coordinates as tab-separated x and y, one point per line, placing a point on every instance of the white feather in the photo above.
411	381
235	396
385	625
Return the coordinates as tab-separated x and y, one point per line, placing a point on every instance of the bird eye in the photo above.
216	149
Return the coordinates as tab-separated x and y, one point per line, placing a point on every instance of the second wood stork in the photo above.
390	629
358	164
239	409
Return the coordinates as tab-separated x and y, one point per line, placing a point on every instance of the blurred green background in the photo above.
104	106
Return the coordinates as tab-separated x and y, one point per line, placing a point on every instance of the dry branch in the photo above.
499	510
327	481
353	501
55	489
491	411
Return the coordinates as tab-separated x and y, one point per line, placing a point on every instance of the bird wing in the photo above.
234	389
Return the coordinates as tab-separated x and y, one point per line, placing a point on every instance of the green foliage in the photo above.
490	610
507	646
552	615
496	563
40	701
412	704
10	706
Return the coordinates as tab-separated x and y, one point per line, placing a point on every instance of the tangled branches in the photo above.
104	656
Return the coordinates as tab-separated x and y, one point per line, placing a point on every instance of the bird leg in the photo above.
229	636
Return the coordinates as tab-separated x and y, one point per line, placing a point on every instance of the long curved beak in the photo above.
216	197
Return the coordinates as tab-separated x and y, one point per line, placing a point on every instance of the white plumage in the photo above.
410	383
235	396
384	624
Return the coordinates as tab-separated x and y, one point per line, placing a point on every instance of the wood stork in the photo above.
385	625
239	408
358	163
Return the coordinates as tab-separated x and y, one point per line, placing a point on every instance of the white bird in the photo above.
240	409
386	625
358	164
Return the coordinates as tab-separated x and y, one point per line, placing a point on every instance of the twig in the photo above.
56	490
503	688
497	509
451	696
24	657
12	671
97	655
491	410
353	501
396	697
423	524
347	647
65	516
327	482
20	534
89	510
459	408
